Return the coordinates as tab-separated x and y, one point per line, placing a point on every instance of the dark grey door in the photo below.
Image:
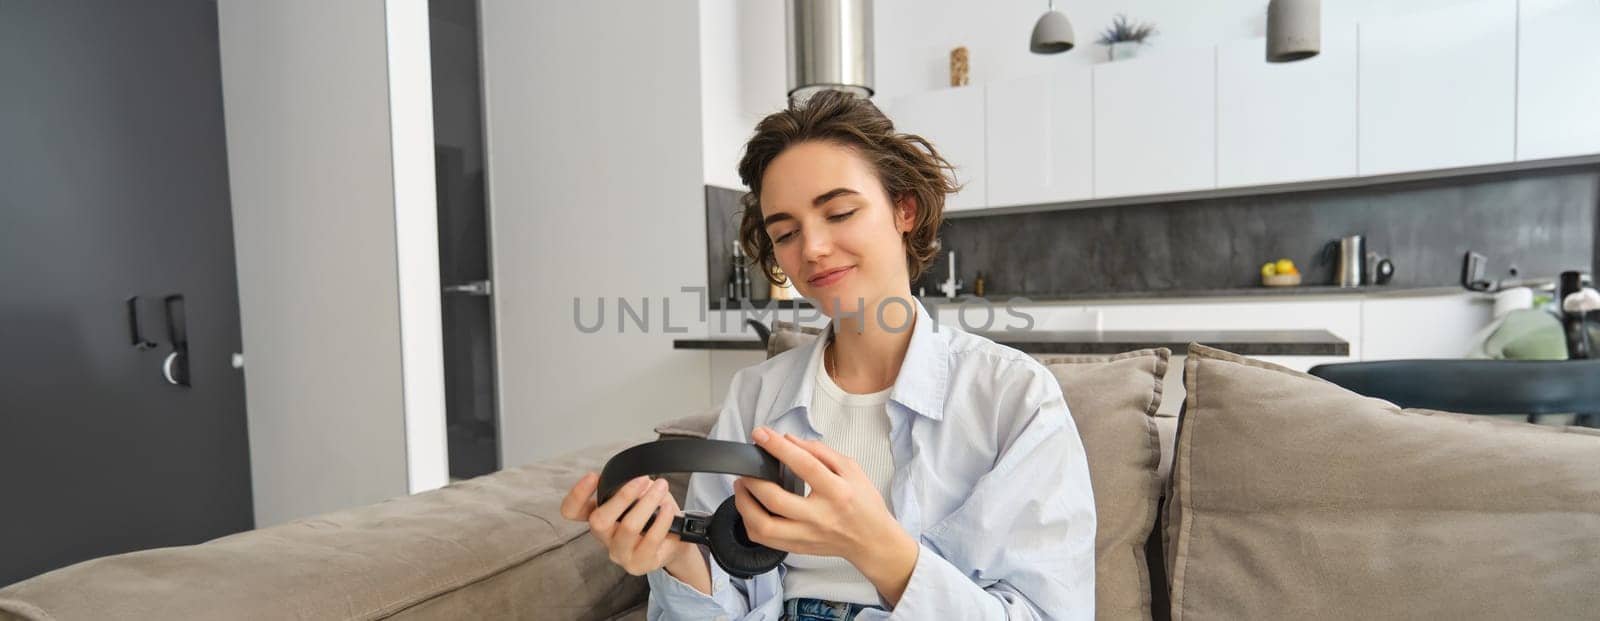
114	184
467	310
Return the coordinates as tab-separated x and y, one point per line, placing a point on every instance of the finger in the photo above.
777	500
762	526
580	499
839	463
604	517
651	542
625	539
802	462
632	523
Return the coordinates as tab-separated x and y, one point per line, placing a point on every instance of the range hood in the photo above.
830	47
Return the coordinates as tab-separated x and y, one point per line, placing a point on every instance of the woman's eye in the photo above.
833	218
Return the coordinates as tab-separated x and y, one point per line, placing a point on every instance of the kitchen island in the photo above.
1243	342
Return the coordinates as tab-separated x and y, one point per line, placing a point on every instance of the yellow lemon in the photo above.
1285	266
1269	268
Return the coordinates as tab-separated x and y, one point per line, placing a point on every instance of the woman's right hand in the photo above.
621	529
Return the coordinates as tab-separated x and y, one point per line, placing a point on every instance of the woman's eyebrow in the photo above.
819	201
830	195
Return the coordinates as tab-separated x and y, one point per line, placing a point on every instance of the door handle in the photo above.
476	287
176	369
176	366
139	342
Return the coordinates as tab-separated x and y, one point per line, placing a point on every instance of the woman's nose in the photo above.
817	244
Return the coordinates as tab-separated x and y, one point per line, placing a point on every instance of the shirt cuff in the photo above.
677	600
938	590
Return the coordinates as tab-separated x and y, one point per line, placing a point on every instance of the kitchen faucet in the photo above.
951	286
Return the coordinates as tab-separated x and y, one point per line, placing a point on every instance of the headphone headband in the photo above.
669	456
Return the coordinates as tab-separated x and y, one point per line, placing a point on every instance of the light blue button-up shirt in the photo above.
990	478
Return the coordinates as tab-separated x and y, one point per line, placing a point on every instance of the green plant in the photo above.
1122	30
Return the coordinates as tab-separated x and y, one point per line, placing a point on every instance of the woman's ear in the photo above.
905	213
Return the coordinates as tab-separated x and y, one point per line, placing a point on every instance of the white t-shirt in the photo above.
855	425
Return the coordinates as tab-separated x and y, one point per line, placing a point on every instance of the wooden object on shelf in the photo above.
958	66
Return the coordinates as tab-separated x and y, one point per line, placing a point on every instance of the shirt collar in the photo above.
920	387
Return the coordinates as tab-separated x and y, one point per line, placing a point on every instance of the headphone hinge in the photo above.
693	527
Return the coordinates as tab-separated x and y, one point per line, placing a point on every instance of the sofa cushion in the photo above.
493	547
1293	498
787	335
693	426
1113	400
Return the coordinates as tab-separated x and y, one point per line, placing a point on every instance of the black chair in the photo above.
762	331
1531	387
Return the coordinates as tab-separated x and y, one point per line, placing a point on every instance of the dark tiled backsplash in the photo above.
722	229
1542	222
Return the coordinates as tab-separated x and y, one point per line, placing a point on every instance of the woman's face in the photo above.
833	228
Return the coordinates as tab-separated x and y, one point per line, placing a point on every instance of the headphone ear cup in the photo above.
732	547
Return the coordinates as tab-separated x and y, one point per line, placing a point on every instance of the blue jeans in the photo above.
809	609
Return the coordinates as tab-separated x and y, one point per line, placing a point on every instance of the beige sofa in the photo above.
1286	497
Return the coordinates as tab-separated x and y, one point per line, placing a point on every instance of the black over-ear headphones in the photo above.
722	531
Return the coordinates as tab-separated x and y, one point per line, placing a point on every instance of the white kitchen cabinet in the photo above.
1438	88
1155	124
953	120
1286	122
1439	326
1040	139
1558	79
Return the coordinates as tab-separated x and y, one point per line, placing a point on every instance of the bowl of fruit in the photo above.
1280	273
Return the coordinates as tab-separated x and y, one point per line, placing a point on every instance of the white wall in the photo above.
595	191
329	351
913	39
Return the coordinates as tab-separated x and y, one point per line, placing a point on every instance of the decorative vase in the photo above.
1122	50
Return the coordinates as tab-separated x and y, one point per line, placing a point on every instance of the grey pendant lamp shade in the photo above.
1294	30
1052	34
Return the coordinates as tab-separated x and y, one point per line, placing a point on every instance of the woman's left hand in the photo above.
843	516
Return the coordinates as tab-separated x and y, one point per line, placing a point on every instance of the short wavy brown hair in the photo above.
906	165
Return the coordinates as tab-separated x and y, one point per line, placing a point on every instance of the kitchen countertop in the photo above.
1243	342
1152	295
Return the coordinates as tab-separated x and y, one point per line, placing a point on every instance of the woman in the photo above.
945	477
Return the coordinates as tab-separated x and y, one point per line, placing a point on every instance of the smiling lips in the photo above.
831	276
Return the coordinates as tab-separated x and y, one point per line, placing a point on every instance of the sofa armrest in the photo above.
490	547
